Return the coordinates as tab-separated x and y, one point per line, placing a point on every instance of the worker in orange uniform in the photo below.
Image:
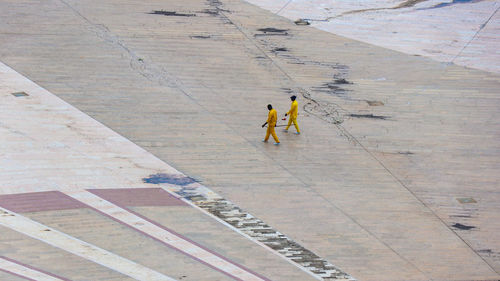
293	115
272	118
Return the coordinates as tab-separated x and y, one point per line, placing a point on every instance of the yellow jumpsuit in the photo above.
272	117
293	116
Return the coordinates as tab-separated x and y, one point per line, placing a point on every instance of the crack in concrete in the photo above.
255	228
148	70
406	4
481	27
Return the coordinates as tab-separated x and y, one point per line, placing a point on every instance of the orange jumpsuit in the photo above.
293	112
272	117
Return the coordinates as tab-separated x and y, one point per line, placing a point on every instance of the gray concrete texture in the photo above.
372	182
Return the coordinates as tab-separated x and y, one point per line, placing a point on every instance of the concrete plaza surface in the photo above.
394	177
464	32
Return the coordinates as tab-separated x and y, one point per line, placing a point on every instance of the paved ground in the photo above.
80	202
395	176
462	32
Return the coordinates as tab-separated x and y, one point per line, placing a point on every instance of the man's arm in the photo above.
268	119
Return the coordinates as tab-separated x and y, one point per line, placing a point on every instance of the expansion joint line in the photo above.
284	6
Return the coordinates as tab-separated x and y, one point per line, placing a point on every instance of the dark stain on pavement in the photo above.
408	4
486	251
275	50
462	226
460	216
200	36
171	179
331	88
374	103
271	31
341	81
454	2
215	8
370	116
171	13
405	4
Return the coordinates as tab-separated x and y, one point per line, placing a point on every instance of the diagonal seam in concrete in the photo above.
481	27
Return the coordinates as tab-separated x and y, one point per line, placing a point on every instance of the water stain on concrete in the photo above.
215	8
171	13
462	226
466	200
275	50
200	37
271	31
171	179
370	116
342	81
460	216
454	2
486	251
408	4
19	94
331	88
374	103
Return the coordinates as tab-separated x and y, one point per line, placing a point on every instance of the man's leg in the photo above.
268	132
296	125
275	137
289	123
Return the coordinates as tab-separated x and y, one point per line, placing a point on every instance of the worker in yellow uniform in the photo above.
293	115
272	118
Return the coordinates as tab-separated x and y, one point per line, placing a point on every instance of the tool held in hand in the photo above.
275	126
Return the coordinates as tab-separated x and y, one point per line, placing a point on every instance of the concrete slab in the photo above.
389	140
79	221
460	32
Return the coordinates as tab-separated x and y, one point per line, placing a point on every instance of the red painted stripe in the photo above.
138	197
38	201
15	274
112	200
126	197
199	245
34	268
